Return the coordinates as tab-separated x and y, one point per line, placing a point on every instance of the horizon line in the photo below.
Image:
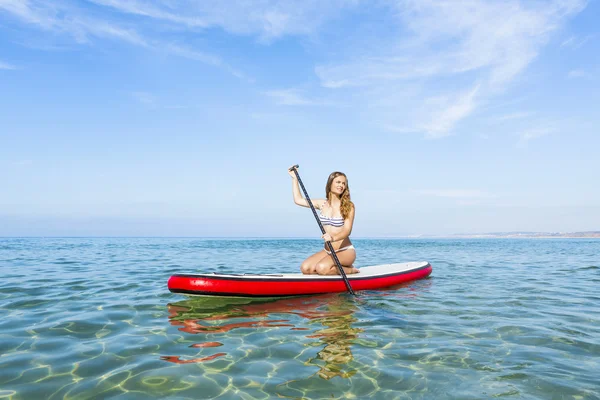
513	234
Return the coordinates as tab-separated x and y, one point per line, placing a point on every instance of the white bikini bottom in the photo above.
342	249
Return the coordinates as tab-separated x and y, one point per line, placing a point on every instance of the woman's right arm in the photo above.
298	199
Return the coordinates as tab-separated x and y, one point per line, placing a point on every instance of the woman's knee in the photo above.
323	268
307	267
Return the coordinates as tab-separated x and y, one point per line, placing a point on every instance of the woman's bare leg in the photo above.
327	265
309	266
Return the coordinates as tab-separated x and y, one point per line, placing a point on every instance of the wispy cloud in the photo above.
44	44
268	19
152	101
83	29
58	17
447	112
22	163
203	57
153	11
578	73
533	133
145	98
27	12
482	45
575	42
4	65
512	116
438	63
373	70
294	97
454	193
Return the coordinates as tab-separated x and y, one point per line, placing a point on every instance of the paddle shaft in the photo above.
335	258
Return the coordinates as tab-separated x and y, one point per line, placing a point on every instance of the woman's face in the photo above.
338	185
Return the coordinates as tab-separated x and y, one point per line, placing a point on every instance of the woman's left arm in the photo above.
346	230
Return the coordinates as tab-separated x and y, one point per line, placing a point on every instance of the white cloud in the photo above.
575	42
4	65
459	53
153	11
454	193
429	65
22	163
447	112
61	18
293	97
145	98
268	19
512	116
26	11
82	28
206	58
373	70
57	17
534	133
577	73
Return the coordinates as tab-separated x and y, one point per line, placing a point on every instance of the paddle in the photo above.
335	258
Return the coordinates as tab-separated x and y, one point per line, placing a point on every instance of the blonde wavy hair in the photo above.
346	204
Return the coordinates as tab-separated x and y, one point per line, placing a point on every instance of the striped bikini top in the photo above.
333	221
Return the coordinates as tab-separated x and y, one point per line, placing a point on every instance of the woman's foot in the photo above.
351	270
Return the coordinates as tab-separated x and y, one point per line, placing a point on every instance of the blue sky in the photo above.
179	118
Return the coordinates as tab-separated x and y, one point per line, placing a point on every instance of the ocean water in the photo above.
92	318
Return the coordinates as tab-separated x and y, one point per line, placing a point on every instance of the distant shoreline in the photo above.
531	235
508	235
513	237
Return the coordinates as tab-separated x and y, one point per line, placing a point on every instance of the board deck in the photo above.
295	284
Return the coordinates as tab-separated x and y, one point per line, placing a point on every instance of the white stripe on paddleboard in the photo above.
365	272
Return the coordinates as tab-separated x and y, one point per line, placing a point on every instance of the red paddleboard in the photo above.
278	285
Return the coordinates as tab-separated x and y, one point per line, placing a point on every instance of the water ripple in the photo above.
92	318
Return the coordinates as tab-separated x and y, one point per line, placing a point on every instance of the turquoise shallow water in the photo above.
84	318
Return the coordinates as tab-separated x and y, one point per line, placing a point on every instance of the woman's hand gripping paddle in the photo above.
335	258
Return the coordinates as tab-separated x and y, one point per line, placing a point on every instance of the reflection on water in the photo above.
333	314
337	335
177	360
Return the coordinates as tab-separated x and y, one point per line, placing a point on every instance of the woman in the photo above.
337	217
